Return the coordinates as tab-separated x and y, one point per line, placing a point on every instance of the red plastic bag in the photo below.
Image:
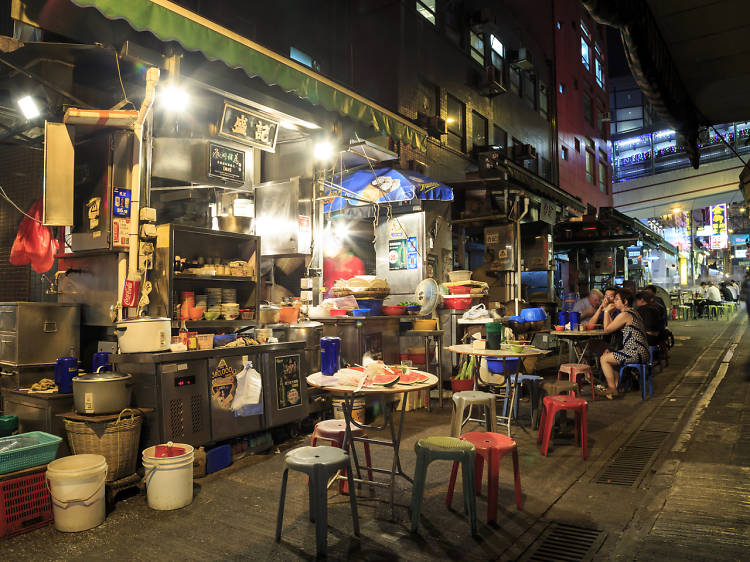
34	242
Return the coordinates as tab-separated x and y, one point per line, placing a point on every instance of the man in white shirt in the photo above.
713	295
587	306
734	289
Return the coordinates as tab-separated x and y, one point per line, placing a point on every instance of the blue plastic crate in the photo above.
43	451
218	458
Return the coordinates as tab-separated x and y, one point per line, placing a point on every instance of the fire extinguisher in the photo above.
674	313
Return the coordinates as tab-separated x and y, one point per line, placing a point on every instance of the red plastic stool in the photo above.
574	371
334	431
554	404
490	447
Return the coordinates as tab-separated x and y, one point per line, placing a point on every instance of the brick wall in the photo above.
21	178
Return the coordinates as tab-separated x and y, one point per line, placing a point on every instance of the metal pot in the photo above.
144	335
102	393
269	314
310	333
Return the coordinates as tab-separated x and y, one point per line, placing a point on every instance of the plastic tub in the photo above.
459	275
424	325
533	314
413	308
205	341
375	306
358	409
394	310
169	480
34	448
289	314
218	458
76	485
417	358
338	312
495	365
460	289
459	302
223	339
361	312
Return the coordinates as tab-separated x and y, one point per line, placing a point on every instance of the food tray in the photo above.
43	452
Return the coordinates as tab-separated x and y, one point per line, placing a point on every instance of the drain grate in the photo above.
563	542
630	463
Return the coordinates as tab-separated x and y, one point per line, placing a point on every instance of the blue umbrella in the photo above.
385	185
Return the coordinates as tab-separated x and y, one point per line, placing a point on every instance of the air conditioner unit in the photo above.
490	163
523	152
491	83
523	59
605	116
434	126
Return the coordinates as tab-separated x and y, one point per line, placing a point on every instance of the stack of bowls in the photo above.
230	310
228	296
213	310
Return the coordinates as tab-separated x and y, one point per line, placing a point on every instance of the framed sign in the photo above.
288	383
248	127
226	163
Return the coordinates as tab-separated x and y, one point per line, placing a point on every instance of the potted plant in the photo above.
464	380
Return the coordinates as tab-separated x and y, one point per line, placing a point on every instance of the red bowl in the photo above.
394	310
460	289
457	304
338	312
559	328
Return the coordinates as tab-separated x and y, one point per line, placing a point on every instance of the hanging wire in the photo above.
728	145
122	85
19	209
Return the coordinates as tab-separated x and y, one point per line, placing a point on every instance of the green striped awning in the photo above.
170	22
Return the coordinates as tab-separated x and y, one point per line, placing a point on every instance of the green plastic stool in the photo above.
713	311
444	449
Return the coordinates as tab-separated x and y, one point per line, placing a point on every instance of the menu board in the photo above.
226	163
288	383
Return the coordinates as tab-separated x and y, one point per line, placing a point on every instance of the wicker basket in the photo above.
116	440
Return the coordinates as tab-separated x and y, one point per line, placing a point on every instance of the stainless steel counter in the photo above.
172	356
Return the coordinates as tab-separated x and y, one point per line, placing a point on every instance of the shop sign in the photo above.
121	204
719	226
403	254
223	385
226	163
547	212
248	127
288	385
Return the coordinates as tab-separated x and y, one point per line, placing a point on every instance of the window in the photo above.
559	25
532	165
564	152
587	108
545	169
497	52
585	54
590	160
303	58
602	172
561	89
598	72
529	89
456	123
584	30
426	9
512	149
578	145
478	129
515	80
476	46
500	138
543	103
427	98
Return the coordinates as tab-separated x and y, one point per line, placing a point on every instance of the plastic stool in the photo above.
334	431
467	399
446	449
574	371
554	404
319	463
490	447
533	385
644	372
713	311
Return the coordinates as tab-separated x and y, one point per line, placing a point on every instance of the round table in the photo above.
348	393
584	336
509	398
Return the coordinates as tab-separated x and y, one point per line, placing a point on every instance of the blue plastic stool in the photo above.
654	359
532	381
644	372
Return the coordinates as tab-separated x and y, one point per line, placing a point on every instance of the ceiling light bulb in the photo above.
28	107
174	98
323	151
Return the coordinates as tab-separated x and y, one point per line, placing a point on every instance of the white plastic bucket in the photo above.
358	409
169	480
76	485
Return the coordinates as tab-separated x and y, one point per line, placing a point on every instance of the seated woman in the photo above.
634	342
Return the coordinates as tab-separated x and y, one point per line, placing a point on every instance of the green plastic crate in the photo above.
8	424
43	452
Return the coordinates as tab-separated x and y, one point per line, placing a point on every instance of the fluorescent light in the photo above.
288	126
323	151
174	98
28	107
676	210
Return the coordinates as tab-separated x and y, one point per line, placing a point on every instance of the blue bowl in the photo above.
518	319
533	314
413	308
361	312
495	364
223	339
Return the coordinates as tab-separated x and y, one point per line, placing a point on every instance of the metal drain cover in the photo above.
564	542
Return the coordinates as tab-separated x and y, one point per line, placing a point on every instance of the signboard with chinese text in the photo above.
226	163
248	127
719	236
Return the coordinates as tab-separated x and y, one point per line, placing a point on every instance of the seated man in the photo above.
587	306
726	293
658	301
598	316
652	316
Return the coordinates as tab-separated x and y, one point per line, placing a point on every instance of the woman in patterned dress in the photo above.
634	341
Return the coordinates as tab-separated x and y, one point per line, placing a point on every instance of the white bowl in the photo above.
459	275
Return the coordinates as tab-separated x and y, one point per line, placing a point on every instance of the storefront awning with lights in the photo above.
169	22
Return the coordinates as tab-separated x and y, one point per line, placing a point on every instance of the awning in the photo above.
384	185
170	22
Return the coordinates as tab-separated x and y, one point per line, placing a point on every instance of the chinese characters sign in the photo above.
248	127
719	227
226	163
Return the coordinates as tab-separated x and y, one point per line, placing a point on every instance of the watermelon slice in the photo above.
413	377
388	378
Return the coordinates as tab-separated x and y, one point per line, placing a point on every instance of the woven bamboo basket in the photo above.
116	440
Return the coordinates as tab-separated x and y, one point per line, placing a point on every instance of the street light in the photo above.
174	98
28	107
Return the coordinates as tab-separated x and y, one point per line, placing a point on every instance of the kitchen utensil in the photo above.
338	312
66	368
269	314
459	275
496	365
562	318
205	341
104	392
534	314
288	314
459	289
515	348
361	312
424	325
229	223
559	328
457	302
101	359
143	335
374	305
330	355
574	320
495	334
394	310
